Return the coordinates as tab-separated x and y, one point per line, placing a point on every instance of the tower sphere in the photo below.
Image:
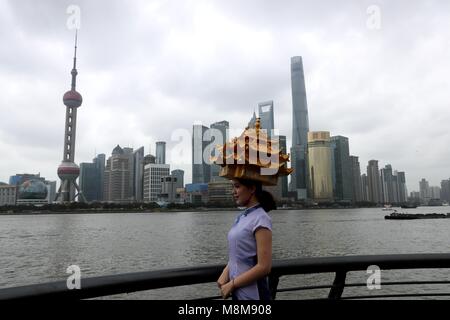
72	99
68	171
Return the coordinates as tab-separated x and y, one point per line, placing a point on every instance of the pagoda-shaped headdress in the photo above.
254	156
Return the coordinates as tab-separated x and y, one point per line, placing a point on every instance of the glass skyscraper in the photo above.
300	128
342	174
265	110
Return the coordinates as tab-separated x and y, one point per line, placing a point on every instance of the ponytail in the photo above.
266	200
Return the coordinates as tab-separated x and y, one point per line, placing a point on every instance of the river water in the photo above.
39	248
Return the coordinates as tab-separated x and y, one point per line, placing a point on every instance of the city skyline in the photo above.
391	106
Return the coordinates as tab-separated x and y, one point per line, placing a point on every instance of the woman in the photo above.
249	244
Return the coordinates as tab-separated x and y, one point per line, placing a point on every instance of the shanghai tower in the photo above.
68	170
300	128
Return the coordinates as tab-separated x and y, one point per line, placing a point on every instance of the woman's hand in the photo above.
224	278
227	289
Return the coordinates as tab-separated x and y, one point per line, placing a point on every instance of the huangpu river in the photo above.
39	248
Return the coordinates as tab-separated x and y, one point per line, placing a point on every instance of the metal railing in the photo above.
132	282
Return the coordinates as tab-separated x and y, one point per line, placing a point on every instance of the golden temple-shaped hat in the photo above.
253	156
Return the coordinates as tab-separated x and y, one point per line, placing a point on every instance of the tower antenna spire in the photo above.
74	70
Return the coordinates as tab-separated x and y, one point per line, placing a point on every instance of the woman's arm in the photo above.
262	268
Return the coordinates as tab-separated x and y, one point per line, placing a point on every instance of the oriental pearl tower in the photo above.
68	171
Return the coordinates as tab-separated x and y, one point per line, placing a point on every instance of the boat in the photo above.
409	216
408	206
387	207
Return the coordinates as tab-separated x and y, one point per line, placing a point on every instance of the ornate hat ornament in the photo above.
253	156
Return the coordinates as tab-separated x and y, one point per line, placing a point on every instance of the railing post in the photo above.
338	285
273	285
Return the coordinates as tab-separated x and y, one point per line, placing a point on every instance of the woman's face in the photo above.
242	194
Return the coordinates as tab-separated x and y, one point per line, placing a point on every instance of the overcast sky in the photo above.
376	72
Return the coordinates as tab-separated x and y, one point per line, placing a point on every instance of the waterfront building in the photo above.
219	136
320	166
91	178
374	182
138	174
168	189
424	189
153	172
129	152
32	192
435	192
161	152
265	110
68	171
300	127
220	193
179	174
19	180
201	166
118	176
387	185
342	174
365	187
401	187
197	193
357	190
8	194
51	190
414	197
445	190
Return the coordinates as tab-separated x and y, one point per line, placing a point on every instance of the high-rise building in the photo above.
130	154
91	182
281	189
387	185
160	152
357	191
265	110
402	190
218	135
201	164
153	172
118	176
68	171
179	174
320	166
300	128
138	174
435	192
365	187
445	190
374	182
424	189
343	184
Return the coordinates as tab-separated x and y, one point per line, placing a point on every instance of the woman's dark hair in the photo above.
265	198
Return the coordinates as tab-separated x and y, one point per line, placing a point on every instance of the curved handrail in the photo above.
131	282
